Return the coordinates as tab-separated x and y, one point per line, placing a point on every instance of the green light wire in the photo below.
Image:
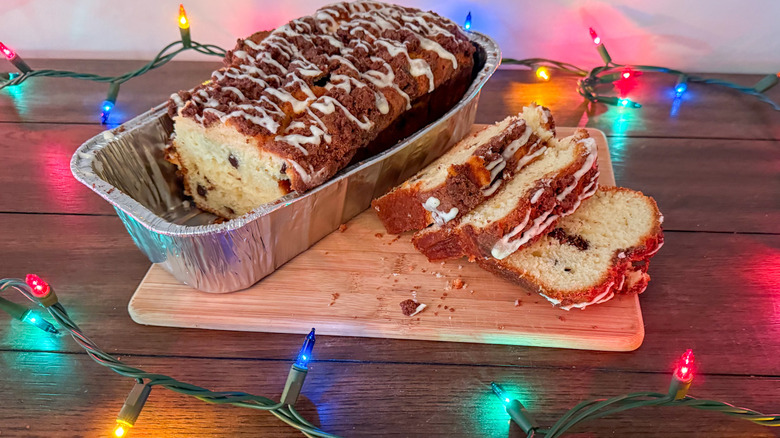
594	409
163	57
281	411
587	86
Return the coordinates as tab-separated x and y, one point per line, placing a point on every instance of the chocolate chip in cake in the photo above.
323	81
576	241
233	161
284	168
202	190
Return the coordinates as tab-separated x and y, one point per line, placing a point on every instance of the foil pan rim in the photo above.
82	159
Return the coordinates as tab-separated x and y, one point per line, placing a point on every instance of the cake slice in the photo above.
467	174
601	250
543	191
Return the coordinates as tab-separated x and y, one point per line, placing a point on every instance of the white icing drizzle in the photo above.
327	105
536	196
512	147
600	298
277	65
439	217
504	247
590	144
495	163
492	188
528	157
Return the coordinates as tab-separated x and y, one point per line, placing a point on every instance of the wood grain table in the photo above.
714	169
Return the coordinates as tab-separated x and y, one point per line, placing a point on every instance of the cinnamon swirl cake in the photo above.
292	107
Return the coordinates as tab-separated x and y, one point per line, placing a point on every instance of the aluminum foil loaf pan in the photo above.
127	168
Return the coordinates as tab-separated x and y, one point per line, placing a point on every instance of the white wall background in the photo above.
693	35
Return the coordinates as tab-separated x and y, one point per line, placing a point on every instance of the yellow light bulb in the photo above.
120	431
183	22
542	73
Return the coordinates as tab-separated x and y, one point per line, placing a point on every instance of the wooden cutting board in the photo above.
352	281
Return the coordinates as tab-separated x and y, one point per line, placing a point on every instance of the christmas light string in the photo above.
163	57
38	291
587	86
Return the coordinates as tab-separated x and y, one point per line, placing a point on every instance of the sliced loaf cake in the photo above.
601	250
470	172
523	208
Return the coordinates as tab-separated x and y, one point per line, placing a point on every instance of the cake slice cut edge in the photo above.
600	251
470	172
549	188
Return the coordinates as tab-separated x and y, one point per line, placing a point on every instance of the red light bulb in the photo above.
594	35
685	367
9	54
39	287
626	74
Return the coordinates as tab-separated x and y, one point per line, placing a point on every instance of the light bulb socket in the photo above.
520	416
678	388
294	385
133	404
19	63
604	54
766	83
186	39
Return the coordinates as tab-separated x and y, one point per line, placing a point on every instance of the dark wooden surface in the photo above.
714	170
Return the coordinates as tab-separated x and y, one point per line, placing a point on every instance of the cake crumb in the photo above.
334	296
423	270
379	235
471	292
408	307
438	275
395	239
446	307
594	327
452	309
518	303
444	294
435	313
501	327
562	318
460	266
472	259
411	308
343	227
457	283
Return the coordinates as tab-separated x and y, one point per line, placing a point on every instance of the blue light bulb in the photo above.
106	108
623	102
304	356
681	88
467	24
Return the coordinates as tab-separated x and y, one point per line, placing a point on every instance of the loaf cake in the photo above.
601	250
549	188
470	172
292	107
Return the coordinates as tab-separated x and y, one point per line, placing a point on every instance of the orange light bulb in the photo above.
542	73
120	431
184	23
